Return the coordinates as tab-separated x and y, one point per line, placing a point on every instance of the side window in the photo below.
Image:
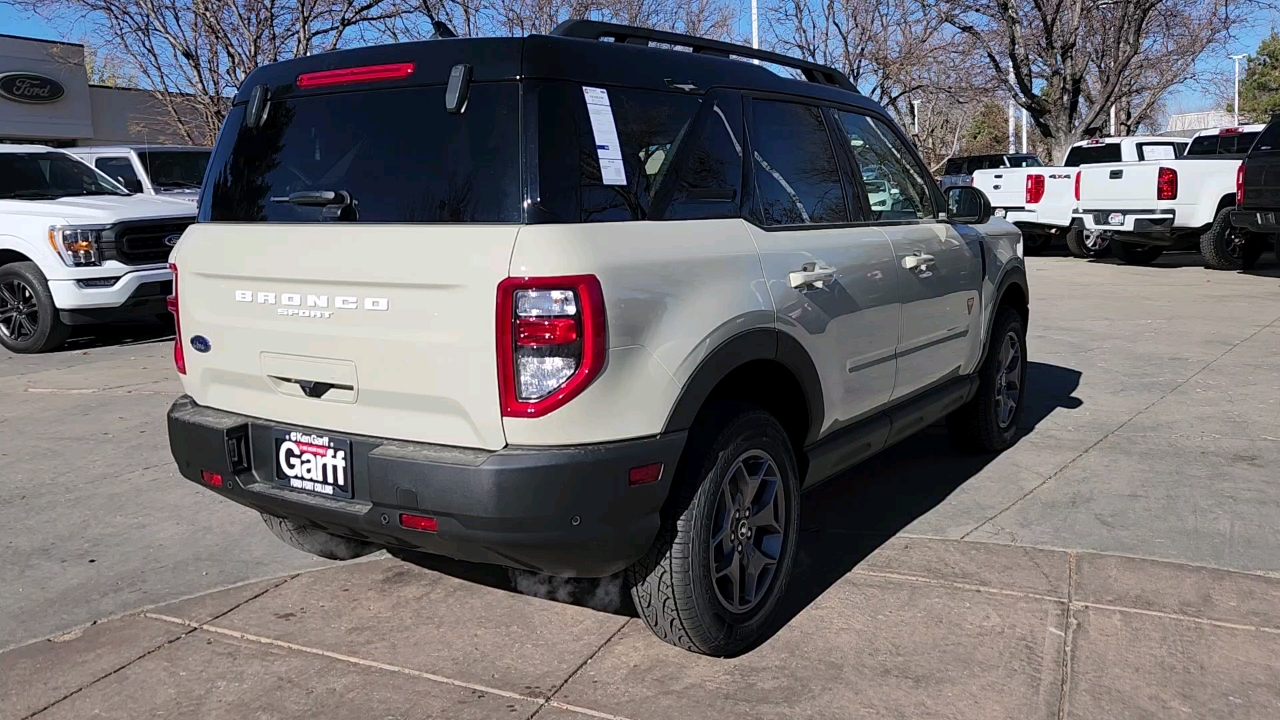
796	173
1269	140
121	170
896	185
708	180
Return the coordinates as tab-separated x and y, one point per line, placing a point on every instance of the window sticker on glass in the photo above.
1157	152
608	149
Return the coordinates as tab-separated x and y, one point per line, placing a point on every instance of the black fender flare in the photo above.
745	347
1015	275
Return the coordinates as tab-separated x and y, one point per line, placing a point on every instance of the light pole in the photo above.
915	117
755	26
1236	106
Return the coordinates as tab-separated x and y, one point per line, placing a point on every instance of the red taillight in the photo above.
645	474
551	341
1035	189
419	522
546	331
1167	184
1077	185
1240	185
345	76
211	478
179	358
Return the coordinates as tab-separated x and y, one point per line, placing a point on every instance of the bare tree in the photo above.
1068	61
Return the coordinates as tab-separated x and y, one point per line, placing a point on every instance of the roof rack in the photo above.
595	30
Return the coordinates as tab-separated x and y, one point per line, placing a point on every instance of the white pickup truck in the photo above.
77	248
1174	203
1041	201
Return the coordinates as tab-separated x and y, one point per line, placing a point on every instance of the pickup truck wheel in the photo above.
29	321
317	542
1035	243
1088	244
1223	246
989	421
713	579
1132	253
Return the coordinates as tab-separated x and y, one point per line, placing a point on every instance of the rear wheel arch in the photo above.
762	367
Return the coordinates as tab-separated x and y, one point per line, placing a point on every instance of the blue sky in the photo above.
1182	99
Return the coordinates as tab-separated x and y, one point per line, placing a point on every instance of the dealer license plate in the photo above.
313	462
1115	219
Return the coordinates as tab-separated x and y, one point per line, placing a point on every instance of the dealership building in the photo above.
46	98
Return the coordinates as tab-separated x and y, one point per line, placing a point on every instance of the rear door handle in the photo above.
917	262
812	274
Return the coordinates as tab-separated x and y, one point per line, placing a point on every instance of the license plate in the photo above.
999	212
313	462
1115	219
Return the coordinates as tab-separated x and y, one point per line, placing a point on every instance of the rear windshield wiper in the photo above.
335	203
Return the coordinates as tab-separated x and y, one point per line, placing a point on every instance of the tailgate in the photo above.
1119	186
398	321
1005	188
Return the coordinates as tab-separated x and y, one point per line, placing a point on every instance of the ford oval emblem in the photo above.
30	87
200	343
172	240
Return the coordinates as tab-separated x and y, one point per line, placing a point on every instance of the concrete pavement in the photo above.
1115	563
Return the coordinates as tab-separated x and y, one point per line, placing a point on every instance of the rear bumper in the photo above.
567	511
1155	225
1263	221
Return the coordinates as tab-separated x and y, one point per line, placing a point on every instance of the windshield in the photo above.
172	169
50	175
1024	161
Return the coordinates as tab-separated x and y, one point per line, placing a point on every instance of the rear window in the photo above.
1024	161
1220	144
397	153
1093	154
175	169
955	166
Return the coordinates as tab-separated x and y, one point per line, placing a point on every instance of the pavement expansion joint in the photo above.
541	702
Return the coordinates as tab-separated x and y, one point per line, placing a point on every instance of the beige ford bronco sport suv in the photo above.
579	307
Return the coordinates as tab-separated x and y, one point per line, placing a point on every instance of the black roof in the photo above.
573	53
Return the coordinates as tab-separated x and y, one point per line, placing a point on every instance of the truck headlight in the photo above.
77	245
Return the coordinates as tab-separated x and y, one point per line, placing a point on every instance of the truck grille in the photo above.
142	242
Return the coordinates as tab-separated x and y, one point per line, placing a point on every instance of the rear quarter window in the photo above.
1093	154
1268	140
397	152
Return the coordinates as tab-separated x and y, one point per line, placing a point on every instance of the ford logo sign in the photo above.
30	87
200	343
172	240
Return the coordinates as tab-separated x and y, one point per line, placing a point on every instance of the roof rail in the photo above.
595	30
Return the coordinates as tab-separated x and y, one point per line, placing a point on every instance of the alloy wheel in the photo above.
749	525
1008	380
1095	240
19	314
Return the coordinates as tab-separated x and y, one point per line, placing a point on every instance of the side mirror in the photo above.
967	204
134	186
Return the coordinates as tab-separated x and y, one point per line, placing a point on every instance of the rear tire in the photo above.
1088	244
987	423
29	321
722	518
317	542
1035	243
1132	253
1223	245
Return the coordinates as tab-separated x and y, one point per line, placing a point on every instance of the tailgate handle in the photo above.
1116	174
314	388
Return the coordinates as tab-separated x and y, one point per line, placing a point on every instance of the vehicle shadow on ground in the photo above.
92	337
843	521
1268	265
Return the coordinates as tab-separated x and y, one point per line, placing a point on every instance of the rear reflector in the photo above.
546	331
211	478
346	76
418	522
645	474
